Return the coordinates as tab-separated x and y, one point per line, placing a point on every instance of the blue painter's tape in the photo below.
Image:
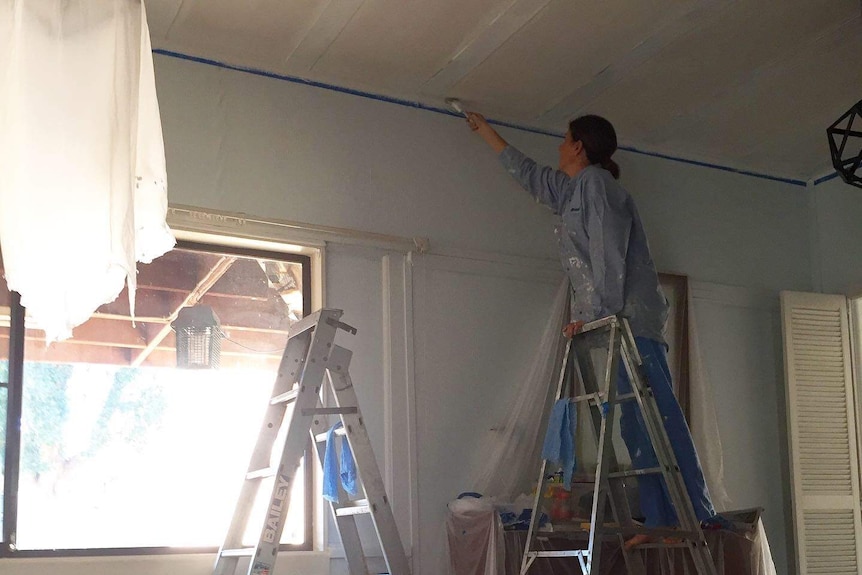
826	178
717	167
421	106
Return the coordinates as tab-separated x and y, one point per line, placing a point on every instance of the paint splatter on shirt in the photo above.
602	243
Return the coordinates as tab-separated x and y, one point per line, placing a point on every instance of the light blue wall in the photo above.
837	209
244	143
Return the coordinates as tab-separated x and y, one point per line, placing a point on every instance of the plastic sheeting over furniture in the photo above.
82	169
474	537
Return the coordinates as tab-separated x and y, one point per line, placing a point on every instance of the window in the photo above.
121	450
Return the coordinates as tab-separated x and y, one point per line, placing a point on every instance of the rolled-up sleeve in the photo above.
547	185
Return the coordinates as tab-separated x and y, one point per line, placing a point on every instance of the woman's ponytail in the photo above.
612	167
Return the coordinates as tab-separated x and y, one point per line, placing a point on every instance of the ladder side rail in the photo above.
590	381
338	376
346	525
604	459
310	382
289	371
617	497
294	354
526	560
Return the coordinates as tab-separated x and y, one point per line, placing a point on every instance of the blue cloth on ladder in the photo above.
348	467
559	443
332	474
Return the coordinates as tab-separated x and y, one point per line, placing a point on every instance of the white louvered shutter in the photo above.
822	429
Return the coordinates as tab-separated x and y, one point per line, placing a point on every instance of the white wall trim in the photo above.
399	407
300	234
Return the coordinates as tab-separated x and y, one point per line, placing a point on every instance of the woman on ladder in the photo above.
604	252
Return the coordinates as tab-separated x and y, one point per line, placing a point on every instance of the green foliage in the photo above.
46	407
129	413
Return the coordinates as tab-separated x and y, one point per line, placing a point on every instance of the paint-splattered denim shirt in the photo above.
603	247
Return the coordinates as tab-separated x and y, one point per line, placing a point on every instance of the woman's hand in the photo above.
480	125
475	121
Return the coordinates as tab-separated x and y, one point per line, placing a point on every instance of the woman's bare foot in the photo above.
640	539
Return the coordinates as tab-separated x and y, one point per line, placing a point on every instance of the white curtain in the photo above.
83	190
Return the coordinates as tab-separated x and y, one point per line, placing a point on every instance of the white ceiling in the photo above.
747	84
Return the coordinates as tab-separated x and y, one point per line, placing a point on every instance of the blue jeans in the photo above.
654	498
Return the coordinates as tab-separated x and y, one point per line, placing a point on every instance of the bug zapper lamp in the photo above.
845	145
198	336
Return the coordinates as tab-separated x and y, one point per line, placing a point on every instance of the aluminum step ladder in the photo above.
614	337
311	363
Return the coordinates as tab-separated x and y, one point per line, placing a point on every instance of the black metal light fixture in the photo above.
199	338
845	145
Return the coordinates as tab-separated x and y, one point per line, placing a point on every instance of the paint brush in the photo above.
454	104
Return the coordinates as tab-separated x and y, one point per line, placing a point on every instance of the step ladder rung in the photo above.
286	397
261	473
330	411
587	397
242	552
600	395
659	545
357	507
651	531
321	437
635	472
561	553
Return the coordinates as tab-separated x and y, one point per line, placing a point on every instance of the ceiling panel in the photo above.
258	33
399	44
727	51
562	48
160	16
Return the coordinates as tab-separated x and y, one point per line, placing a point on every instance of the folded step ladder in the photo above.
311	362
614	336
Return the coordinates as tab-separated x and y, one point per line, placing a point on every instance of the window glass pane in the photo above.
118	457
121	447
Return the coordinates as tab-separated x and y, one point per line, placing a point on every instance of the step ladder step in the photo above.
261	473
635	472
357	507
321	437
659	545
653	532
243	552
286	397
599	396
330	411
587	397
561	553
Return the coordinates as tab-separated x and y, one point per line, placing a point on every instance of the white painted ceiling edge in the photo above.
444	109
